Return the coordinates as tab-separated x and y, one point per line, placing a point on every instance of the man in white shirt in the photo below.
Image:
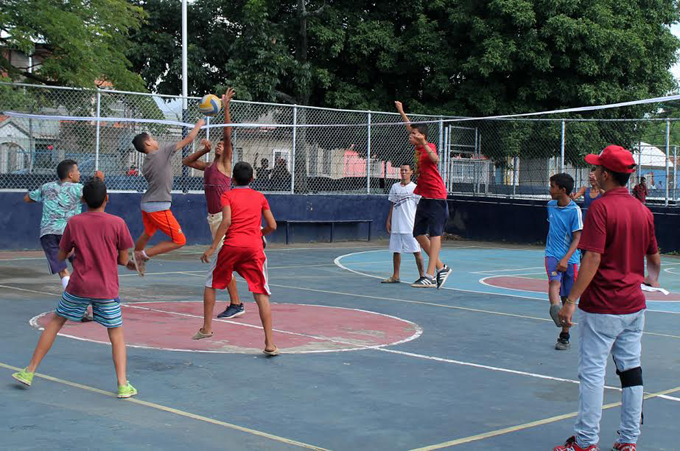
400	222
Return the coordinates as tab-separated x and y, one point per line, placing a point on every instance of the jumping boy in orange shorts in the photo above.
156	201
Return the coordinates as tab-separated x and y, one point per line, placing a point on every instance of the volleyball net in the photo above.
296	149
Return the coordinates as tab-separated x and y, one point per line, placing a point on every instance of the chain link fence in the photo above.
293	149
515	158
296	149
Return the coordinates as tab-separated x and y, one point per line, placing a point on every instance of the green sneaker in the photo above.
126	391
24	377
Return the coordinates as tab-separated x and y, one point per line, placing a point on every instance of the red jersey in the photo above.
247	206
430	183
621	229
97	237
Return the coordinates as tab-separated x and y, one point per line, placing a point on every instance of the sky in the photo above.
676	69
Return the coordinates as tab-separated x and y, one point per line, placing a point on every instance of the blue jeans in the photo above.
600	335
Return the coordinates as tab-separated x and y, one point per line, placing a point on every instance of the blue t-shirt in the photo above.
564	221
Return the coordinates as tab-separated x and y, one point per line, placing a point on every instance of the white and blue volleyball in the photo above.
210	105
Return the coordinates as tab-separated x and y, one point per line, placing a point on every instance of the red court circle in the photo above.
298	329
541	286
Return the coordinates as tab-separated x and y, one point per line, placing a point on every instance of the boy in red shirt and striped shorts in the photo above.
242	251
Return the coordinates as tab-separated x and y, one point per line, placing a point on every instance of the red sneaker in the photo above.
571	445
623	446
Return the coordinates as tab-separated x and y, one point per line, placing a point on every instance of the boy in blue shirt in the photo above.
561	250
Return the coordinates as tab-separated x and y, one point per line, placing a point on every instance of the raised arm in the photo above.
193	160
581	191
191	136
227	154
400	109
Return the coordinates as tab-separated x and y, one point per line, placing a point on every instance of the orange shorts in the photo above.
166	222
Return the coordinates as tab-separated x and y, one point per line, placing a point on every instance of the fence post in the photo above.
668	152
368	157
562	147
514	176
292	167
474	163
96	144
440	146
675	172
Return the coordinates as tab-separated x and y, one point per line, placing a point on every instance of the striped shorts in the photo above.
105	311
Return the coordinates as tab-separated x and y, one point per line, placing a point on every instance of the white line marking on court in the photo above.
463	290
29	291
20	259
337	262
670	271
490	434
418	331
170	410
492	272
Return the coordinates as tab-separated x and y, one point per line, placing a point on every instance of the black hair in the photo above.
243	173
94	193
422	128
139	141
410	165
619	177
563	180
643	179
64	167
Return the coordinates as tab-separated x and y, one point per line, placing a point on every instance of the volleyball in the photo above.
210	105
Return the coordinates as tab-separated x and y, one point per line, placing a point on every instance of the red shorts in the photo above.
166	222
249	262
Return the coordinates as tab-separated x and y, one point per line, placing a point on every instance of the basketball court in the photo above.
364	365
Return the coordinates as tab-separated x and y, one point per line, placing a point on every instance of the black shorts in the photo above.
431	217
50	244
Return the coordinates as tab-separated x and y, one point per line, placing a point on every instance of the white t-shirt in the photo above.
405	203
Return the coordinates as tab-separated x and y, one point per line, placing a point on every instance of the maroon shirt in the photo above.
621	229
215	184
640	192
97	237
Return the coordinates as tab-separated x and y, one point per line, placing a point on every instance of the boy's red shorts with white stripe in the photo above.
249	262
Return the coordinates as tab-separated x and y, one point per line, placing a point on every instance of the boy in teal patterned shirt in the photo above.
61	200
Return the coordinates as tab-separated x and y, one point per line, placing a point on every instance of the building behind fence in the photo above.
303	150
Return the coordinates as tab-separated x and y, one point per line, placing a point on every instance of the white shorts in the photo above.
403	243
214	221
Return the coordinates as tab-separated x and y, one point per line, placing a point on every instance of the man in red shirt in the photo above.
101	242
242	251
640	191
433	210
617	236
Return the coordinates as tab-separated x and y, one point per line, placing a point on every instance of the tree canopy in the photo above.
465	57
80	43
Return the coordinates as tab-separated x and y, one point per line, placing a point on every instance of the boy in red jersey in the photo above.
242	251
433	210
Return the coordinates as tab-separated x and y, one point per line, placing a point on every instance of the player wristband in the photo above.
569	301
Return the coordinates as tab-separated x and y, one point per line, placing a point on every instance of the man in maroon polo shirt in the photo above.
617	235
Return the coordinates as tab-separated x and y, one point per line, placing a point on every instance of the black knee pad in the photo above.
631	377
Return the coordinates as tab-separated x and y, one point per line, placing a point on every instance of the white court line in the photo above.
381	348
492	272
670	271
337	262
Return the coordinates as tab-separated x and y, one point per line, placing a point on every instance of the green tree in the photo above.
79	42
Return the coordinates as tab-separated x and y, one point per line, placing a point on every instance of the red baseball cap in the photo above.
614	158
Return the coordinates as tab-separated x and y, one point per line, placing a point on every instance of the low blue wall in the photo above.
20	222
524	221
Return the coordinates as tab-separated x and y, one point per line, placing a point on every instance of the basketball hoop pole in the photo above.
185	93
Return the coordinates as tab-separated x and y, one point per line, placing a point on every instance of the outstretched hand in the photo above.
206	145
226	98
99	175
400	107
